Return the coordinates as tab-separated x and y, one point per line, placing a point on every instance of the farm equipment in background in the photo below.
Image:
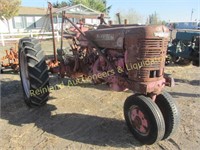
184	49
124	57
10	60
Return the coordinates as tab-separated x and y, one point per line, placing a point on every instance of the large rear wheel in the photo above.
144	119
33	72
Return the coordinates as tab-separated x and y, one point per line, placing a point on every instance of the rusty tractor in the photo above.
124	57
10	60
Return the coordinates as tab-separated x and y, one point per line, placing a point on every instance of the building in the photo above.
31	19
77	12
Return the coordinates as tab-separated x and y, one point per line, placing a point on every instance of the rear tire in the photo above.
170	113
33	72
144	119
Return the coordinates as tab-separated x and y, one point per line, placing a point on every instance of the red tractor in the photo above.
10	60
124	57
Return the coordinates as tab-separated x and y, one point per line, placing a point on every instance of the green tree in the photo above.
131	15
9	9
153	19
98	5
59	4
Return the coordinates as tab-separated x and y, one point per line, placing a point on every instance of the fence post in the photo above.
31	34
58	36
2	40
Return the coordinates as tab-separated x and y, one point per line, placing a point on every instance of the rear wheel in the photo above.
33	72
170	113
144	119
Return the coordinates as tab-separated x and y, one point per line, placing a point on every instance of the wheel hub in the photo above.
139	120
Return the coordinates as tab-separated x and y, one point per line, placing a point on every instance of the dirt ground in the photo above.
91	116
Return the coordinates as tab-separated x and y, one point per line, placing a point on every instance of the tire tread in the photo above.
37	69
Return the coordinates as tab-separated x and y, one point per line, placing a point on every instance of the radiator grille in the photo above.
152	48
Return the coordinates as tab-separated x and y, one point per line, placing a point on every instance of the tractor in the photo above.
124	57
10	60
184	49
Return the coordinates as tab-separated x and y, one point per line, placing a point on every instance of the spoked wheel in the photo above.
144	119
33	72
169	111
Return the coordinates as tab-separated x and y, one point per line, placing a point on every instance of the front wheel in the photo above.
144	119
33	72
170	113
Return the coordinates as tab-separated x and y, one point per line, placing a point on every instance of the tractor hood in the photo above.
115	38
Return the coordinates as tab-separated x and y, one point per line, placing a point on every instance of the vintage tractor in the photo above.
131	57
184	49
10	60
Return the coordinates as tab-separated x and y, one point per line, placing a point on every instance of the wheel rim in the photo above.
139	121
24	74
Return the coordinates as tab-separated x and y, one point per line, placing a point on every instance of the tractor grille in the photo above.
143	73
152	48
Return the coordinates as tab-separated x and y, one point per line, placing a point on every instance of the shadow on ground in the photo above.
191	82
178	94
77	127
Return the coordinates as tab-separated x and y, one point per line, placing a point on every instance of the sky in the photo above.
168	10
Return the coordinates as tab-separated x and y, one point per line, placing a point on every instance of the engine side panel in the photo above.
107	38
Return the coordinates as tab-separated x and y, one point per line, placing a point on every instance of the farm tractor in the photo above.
124	57
10	60
184	49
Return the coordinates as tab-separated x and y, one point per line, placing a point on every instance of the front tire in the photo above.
33	72
170	113
144	119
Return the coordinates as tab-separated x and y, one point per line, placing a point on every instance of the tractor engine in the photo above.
138	53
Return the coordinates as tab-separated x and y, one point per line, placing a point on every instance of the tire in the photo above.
1	69
33	72
170	113
196	63
148	125
183	62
